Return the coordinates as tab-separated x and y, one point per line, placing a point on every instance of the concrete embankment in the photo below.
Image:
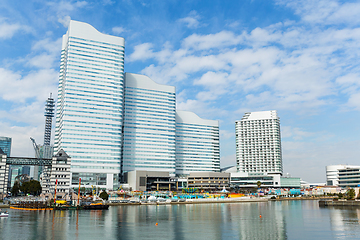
4	206
199	201
300	198
350	203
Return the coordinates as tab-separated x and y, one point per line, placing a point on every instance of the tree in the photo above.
350	193
15	189
32	187
258	184
104	195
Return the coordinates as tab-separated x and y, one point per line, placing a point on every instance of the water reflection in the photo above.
202	221
279	220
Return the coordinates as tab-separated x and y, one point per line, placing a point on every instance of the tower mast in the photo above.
49	114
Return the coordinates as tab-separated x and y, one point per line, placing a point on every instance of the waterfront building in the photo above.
111	123
89	114
208	181
258	143
197	144
332	173
5	145
140	180
149	125
349	176
267	180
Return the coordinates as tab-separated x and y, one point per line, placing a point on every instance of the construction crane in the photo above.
36	148
38	154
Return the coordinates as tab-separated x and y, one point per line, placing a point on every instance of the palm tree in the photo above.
258	184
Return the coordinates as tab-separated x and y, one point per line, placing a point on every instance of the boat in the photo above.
95	206
4	214
31	205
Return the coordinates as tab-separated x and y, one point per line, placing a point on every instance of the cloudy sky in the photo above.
225	58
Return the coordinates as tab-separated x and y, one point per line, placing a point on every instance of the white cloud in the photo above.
142	52
191	21
65	20
118	30
8	30
217	40
18	88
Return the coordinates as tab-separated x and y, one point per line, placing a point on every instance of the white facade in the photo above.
109	122
89	112
332	173
149	125
197	144
258	143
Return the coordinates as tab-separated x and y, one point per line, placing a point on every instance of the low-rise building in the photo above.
349	176
139	180
209	181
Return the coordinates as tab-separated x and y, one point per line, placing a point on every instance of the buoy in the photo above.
156	224
260	216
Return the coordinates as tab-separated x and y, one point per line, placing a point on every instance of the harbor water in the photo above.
261	220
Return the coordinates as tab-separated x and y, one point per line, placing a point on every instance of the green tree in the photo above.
258	184
104	195
15	189
350	194
32	187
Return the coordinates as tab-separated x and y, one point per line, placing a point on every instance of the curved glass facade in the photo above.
149	125
197	144
90	102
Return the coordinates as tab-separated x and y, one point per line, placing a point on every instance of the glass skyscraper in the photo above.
197	144
109	122
90	104
149	125
5	145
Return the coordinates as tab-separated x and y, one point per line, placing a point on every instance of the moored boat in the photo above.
4	214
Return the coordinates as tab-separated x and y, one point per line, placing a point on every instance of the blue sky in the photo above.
225	58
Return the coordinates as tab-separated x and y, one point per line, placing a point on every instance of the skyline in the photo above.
225	59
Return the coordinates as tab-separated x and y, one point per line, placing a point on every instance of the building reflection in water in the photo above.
200	221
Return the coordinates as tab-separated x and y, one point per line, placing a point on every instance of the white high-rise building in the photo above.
258	143
149	125
109	122
197	144
89	113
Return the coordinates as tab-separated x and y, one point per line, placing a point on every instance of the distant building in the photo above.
139	180
208	181
197	144
332	173
258	143
249	180
5	145
349	176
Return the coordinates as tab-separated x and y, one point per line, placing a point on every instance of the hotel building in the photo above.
197	144
149	125
89	115
111	123
258	143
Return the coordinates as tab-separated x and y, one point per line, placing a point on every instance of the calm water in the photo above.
280	220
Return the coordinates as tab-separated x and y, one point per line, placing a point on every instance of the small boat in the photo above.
4	214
